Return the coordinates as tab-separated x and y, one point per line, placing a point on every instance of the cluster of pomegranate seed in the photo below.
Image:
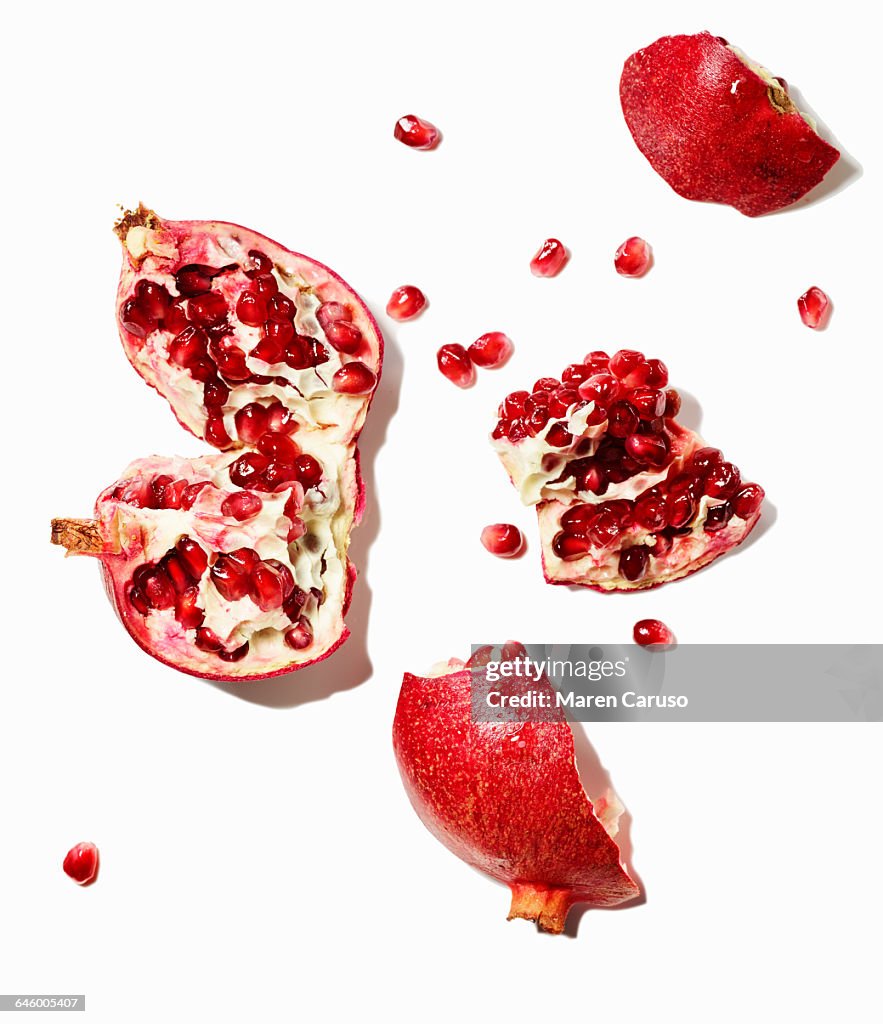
457	363
81	863
652	633
549	259
813	306
632	258
413	131
405	303
503	540
159	492
173	583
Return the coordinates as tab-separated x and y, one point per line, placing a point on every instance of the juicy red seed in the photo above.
309	471
575	374
662	546
622	420
135	320
203	370
562	400
247	468
277	475
138	600
688	482
266	587
269	350
680	509
514	405
265	285
279	332
704	458
191	493
278	446
633	562
597	362
593	480
516	430
260	263
206	640
300	636
652	632
717	517
502	539
632	258
244	559
652	449
191	344
549	259
207	309
193	555
137	492
230	359
538	400
600	387
747	501
605	528
332	312
546	384
455	364
578	517
653	373
648	403
624	361
413	131
813	307
280	307
194	279
344	337
251	309
158	589
241	506
175	319
318	352
650	511
280	420
722	481
251	422
672	402
295	601
153	298
568	546
81	863
216	432
177	570
235	655
231	580
284	574
491	350
405	303
536	420
354	379
215	394
159	484
558	436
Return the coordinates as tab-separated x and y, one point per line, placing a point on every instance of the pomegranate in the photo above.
81	863
813	307
652	633
549	259
405	303
718	127
234	565
506	798
627	498
413	131
503	540
491	350
632	258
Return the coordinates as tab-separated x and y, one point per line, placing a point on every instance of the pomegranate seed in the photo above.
206	640
135	320
260	263
546	384
514	405
215	394
662	546
405	303
318	352
502	539
575	374
187	611
562	400
632	258
216	432
605	528
648	403
193	556
278	446
194	279
717	517
722	480
266	587
622	420
281	308
191	344
601	387
653	373
278	475
652	449
344	337
280	420
413	131
174	494
241	506
672	402
577	518
81	863
680	509
265	285
191	493
491	350
235	655
207	310
558	436
251	422
568	546
813	307
138	600
294	603
549	259
231	363
285	576
230	578
354	379
175	319
247	468
244	559
157	589
177	571
747	501
455	364
704	458
300	636
269	350
633	562
159	484
516	431
540	400
593	480
251	309
153	298
625	361
652	633
650	511
137	492
309	471
332	312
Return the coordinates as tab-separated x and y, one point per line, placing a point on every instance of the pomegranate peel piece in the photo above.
507	799
719	128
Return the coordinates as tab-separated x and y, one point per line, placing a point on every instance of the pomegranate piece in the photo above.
530	824
491	350
549	259
455	364
813	307
626	497
652	633
632	258
405	303
413	131
81	863
503	540
719	128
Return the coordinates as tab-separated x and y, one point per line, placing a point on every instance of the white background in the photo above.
260	859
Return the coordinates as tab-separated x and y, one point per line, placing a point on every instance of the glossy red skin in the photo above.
82	863
711	143
522	817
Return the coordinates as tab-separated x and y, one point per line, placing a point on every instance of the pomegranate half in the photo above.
234	565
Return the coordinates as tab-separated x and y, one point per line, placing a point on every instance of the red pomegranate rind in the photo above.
718	128
515	810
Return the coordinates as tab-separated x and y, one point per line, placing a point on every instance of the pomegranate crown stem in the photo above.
78	536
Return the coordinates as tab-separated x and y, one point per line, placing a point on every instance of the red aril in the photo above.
813	307
632	258
413	131
503	540
652	633
549	259
491	350
455	364
405	303
81	863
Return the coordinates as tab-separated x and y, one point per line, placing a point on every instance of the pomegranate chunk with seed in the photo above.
813	306
81	863
549	259
405	303
455	364
413	131
491	350
503	540
652	633
632	258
